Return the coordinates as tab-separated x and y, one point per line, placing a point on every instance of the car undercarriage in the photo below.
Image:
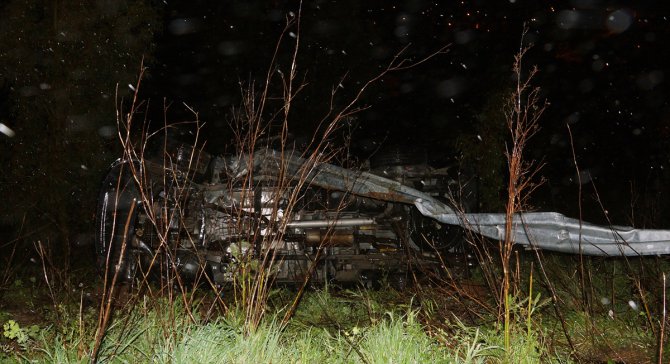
301	218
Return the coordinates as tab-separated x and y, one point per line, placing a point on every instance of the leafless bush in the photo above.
163	188
250	126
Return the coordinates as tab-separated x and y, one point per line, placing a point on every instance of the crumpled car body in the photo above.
214	217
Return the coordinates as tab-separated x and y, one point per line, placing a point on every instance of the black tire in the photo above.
119	204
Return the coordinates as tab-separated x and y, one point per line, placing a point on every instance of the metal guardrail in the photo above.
556	232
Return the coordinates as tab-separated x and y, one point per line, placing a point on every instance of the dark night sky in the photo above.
602	68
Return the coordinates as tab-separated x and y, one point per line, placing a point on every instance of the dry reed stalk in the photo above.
523	111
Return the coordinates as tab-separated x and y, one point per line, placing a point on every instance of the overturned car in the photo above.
203	216
213	217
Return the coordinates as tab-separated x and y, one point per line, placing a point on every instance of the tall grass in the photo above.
397	335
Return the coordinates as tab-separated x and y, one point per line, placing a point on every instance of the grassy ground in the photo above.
346	327
330	325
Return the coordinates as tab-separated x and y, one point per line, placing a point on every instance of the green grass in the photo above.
329	327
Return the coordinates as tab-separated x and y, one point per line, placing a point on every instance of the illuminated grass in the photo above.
350	327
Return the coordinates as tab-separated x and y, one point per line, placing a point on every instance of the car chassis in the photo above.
208	216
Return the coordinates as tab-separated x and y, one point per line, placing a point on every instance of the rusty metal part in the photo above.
325	223
319	237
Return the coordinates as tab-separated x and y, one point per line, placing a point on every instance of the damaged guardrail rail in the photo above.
556	232
543	230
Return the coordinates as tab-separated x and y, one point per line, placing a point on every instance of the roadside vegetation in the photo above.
331	325
510	306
